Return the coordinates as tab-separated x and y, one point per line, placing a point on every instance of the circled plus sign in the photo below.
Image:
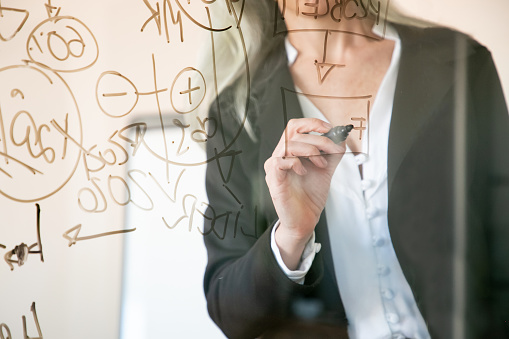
189	90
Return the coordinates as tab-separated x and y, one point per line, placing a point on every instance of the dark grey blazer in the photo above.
247	293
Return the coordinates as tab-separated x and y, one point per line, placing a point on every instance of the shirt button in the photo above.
383	270
361	158
387	294
370	212
392	318
378	241
366	184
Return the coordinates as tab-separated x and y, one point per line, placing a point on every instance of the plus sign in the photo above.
359	128
189	90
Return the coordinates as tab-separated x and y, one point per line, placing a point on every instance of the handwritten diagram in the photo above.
103	111
79	96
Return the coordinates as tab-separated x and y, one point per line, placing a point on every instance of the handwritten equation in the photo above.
61	89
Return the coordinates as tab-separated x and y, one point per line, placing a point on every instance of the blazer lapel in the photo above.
278	105
424	78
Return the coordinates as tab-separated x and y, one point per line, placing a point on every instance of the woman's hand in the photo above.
298	175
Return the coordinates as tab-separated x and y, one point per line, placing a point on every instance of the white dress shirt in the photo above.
377	298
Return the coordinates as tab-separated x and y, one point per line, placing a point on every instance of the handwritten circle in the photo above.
190	89
63	44
116	95
38	118
183	137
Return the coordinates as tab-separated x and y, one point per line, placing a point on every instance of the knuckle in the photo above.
266	165
292	123
310	150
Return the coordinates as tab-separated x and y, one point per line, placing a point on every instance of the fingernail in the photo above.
327	125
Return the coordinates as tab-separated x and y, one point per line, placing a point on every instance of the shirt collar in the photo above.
291	52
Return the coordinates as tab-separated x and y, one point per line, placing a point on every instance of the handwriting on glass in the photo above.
5	332
21	252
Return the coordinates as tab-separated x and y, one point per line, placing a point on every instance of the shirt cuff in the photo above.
306	260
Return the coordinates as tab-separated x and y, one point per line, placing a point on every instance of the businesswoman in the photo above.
355	239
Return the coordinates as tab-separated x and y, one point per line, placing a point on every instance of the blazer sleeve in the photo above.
493	122
246	291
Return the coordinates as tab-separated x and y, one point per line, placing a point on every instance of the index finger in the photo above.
306	125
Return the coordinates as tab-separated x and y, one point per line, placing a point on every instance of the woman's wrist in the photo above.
291	246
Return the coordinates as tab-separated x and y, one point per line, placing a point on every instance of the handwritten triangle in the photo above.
323	69
72	238
12	22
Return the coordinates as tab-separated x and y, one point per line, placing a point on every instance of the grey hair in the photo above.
239	51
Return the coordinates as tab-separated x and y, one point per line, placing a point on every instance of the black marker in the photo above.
338	134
